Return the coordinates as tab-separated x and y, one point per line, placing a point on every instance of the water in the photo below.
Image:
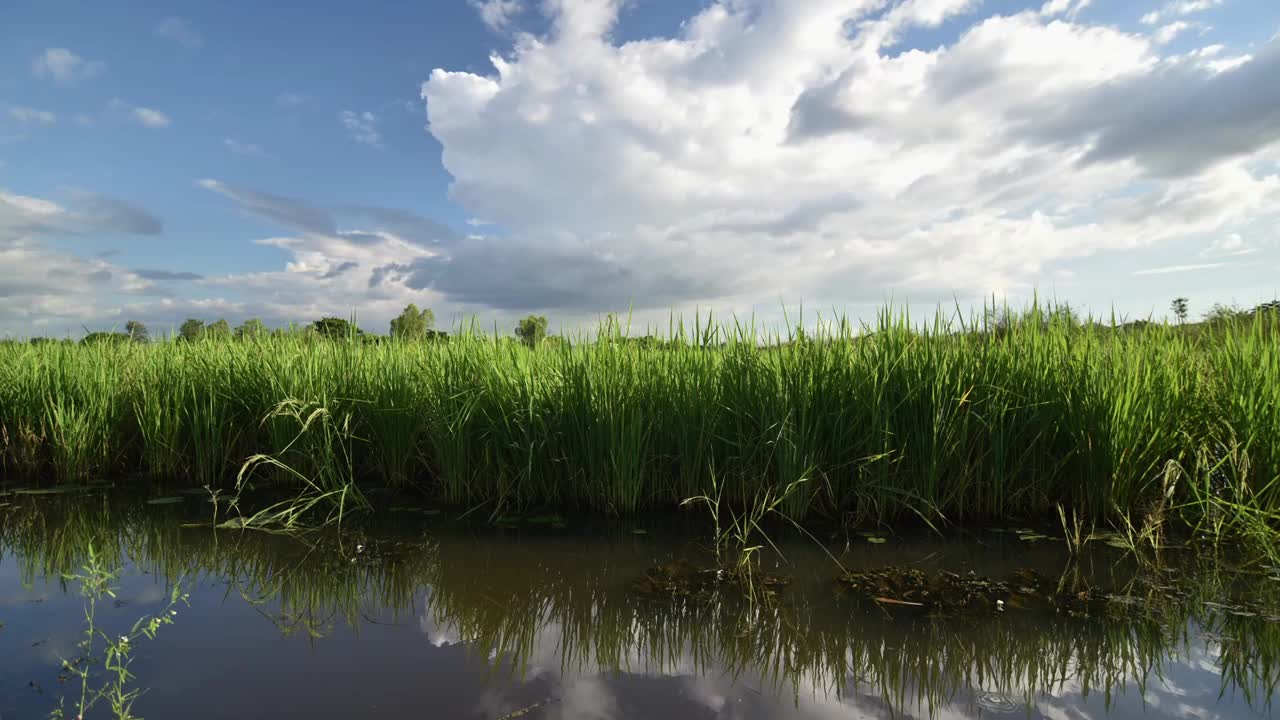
428	618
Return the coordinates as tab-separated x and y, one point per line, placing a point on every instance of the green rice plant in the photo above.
945	419
327	441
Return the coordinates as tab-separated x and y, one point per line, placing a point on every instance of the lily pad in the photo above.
53	490
876	540
639	531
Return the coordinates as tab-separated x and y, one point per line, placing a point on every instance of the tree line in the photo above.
412	324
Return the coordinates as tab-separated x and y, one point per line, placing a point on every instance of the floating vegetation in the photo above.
954	592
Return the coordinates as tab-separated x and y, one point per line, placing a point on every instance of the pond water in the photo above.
415	615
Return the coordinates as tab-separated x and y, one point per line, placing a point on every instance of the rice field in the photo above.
951	421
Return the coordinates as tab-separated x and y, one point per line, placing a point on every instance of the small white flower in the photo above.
124	639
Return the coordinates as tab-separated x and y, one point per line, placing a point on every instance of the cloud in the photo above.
1178	8
290	99
339	269
497	14
87	213
100	213
144	116
166	275
242	148
63	66
362	126
290	212
793	150
1167	33
1229	245
1070	8
1169	269
1177	119
150	118
31	116
180	31
45	289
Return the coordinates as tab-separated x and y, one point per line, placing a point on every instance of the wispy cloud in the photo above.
32	116
243	148
290	99
150	118
1178	8
166	275
144	116
63	66
497	14
181	32
1167	33
1170	269
362	126
1230	245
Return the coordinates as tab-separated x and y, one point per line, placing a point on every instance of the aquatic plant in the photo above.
97	582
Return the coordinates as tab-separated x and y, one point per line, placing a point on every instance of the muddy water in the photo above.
415	615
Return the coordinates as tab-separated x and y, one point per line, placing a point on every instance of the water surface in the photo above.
424	617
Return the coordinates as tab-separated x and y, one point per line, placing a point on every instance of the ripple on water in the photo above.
999	703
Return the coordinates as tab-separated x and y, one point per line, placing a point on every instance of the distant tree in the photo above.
251	329
334	328
136	331
94	338
191	330
1224	313
413	324
220	330
1179	308
41	341
532	330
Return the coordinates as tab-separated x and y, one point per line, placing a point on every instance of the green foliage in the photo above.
942	422
1179	308
1221	313
218	331
532	330
413	324
252	329
105	337
191	330
136	331
335	328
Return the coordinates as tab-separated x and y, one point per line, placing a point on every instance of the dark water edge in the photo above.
412	614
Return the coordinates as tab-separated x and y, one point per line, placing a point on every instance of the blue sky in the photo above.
286	160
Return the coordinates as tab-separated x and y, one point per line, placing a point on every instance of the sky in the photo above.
496	158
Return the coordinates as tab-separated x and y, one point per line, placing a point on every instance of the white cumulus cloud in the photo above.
794	150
